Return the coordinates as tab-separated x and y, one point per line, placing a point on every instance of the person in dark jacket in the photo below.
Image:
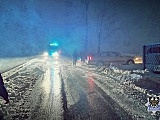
75	56
3	91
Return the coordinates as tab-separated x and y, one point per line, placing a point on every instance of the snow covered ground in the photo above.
134	75
143	80
126	79
8	63
19	86
129	87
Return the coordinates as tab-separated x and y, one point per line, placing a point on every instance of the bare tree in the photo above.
85	18
101	20
86	24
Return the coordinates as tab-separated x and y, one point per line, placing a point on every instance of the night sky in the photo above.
28	26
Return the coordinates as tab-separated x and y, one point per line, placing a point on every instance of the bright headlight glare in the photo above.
136	58
55	54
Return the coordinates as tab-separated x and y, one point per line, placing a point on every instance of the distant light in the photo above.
55	54
54	44
138	60
89	58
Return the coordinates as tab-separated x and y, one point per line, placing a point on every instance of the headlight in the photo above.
138	59
55	54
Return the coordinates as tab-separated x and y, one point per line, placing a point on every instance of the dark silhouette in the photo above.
75	56
1	115
3	91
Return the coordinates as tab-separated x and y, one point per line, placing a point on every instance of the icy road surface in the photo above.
44	89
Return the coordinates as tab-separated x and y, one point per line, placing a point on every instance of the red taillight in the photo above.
89	58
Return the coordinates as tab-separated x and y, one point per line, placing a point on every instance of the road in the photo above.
45	89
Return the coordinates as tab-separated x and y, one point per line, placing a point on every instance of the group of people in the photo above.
3	91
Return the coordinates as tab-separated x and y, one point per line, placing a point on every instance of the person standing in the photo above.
3	91
75	56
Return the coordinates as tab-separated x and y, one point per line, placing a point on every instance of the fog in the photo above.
28	26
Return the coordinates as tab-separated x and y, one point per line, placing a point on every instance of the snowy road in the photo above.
55	90
85	100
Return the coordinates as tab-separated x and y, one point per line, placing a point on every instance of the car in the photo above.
53	50
106	58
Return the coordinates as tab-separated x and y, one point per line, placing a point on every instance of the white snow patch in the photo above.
8	63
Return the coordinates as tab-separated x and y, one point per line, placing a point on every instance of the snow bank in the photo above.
130	77
8	63
120	74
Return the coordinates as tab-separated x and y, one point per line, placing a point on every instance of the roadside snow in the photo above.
19	87
130	87
130	77
8	63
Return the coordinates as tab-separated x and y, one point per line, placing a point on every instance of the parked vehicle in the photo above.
151	57
106	58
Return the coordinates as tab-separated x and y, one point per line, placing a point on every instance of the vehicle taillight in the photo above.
89	58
